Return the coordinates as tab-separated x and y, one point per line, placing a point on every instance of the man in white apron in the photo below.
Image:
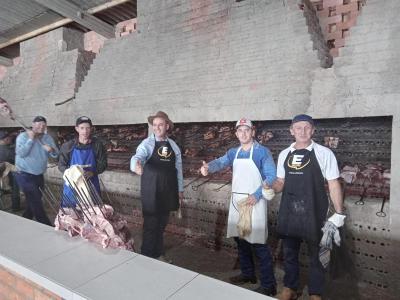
252	165
302	171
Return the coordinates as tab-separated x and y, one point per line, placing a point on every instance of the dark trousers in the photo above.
30	184
264	256
316	272
15	198
153	234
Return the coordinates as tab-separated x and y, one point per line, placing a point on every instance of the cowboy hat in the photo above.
163	115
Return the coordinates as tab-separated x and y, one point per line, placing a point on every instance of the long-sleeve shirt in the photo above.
145	150
30	156
262	158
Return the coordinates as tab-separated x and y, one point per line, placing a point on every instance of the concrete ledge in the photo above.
75	269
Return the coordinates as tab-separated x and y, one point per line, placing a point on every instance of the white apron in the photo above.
246	179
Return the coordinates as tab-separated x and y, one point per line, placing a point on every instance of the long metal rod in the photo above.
51	193
76	195
48	200
64	198
84	194
83	200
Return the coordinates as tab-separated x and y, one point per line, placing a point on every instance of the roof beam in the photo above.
75	13
56	24
4	61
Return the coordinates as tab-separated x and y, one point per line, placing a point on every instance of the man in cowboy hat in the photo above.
252	166
158	160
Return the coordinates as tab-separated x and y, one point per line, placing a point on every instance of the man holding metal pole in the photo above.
158	160
302	171
33	148
84	150
253	166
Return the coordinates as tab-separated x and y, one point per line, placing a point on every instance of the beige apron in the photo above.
246	179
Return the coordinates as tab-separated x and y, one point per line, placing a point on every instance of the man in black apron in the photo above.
302	170
158	160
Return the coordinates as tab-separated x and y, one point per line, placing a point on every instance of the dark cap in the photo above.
39	119
303	117
3	134
83	119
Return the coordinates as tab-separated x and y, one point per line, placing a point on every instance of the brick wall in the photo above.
203	61
14	286
50	70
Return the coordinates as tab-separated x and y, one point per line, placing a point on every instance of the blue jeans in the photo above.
316	272
264	256
30	184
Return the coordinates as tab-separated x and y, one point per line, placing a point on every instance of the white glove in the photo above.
337	219
268	194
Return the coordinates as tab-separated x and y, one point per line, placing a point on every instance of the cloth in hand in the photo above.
244	223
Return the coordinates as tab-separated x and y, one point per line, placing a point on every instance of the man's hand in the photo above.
47	148
251	200
267	192
204	169
88	174
31	134
138	168
337	219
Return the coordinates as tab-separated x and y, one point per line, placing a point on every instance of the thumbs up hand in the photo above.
204	169
138	168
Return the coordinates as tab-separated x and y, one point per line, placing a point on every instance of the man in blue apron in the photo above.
158	160
252	165
302	170
83	150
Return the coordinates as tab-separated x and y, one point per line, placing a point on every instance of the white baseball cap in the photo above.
244	122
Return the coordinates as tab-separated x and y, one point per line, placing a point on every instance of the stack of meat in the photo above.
98	225
87	215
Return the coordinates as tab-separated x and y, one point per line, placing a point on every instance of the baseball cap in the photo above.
244	122
3	134
303	117
83	119
39	119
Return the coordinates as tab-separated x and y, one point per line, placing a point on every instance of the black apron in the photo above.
304	203
159	183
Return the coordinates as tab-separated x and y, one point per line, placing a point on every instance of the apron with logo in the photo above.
304	203
82	156
246	179
159	182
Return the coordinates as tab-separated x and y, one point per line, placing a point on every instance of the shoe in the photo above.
266	291
315	297
240	279
164	259
287	294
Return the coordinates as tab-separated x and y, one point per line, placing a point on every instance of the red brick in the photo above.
7	277
25	288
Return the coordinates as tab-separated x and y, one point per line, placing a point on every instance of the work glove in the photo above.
330	235
268	193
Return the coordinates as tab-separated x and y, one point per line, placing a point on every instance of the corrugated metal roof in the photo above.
19	17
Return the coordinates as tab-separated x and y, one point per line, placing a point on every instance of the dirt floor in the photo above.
220	264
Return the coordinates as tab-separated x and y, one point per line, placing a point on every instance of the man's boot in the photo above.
287	294
315	297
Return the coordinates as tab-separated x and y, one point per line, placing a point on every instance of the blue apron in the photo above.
83	156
